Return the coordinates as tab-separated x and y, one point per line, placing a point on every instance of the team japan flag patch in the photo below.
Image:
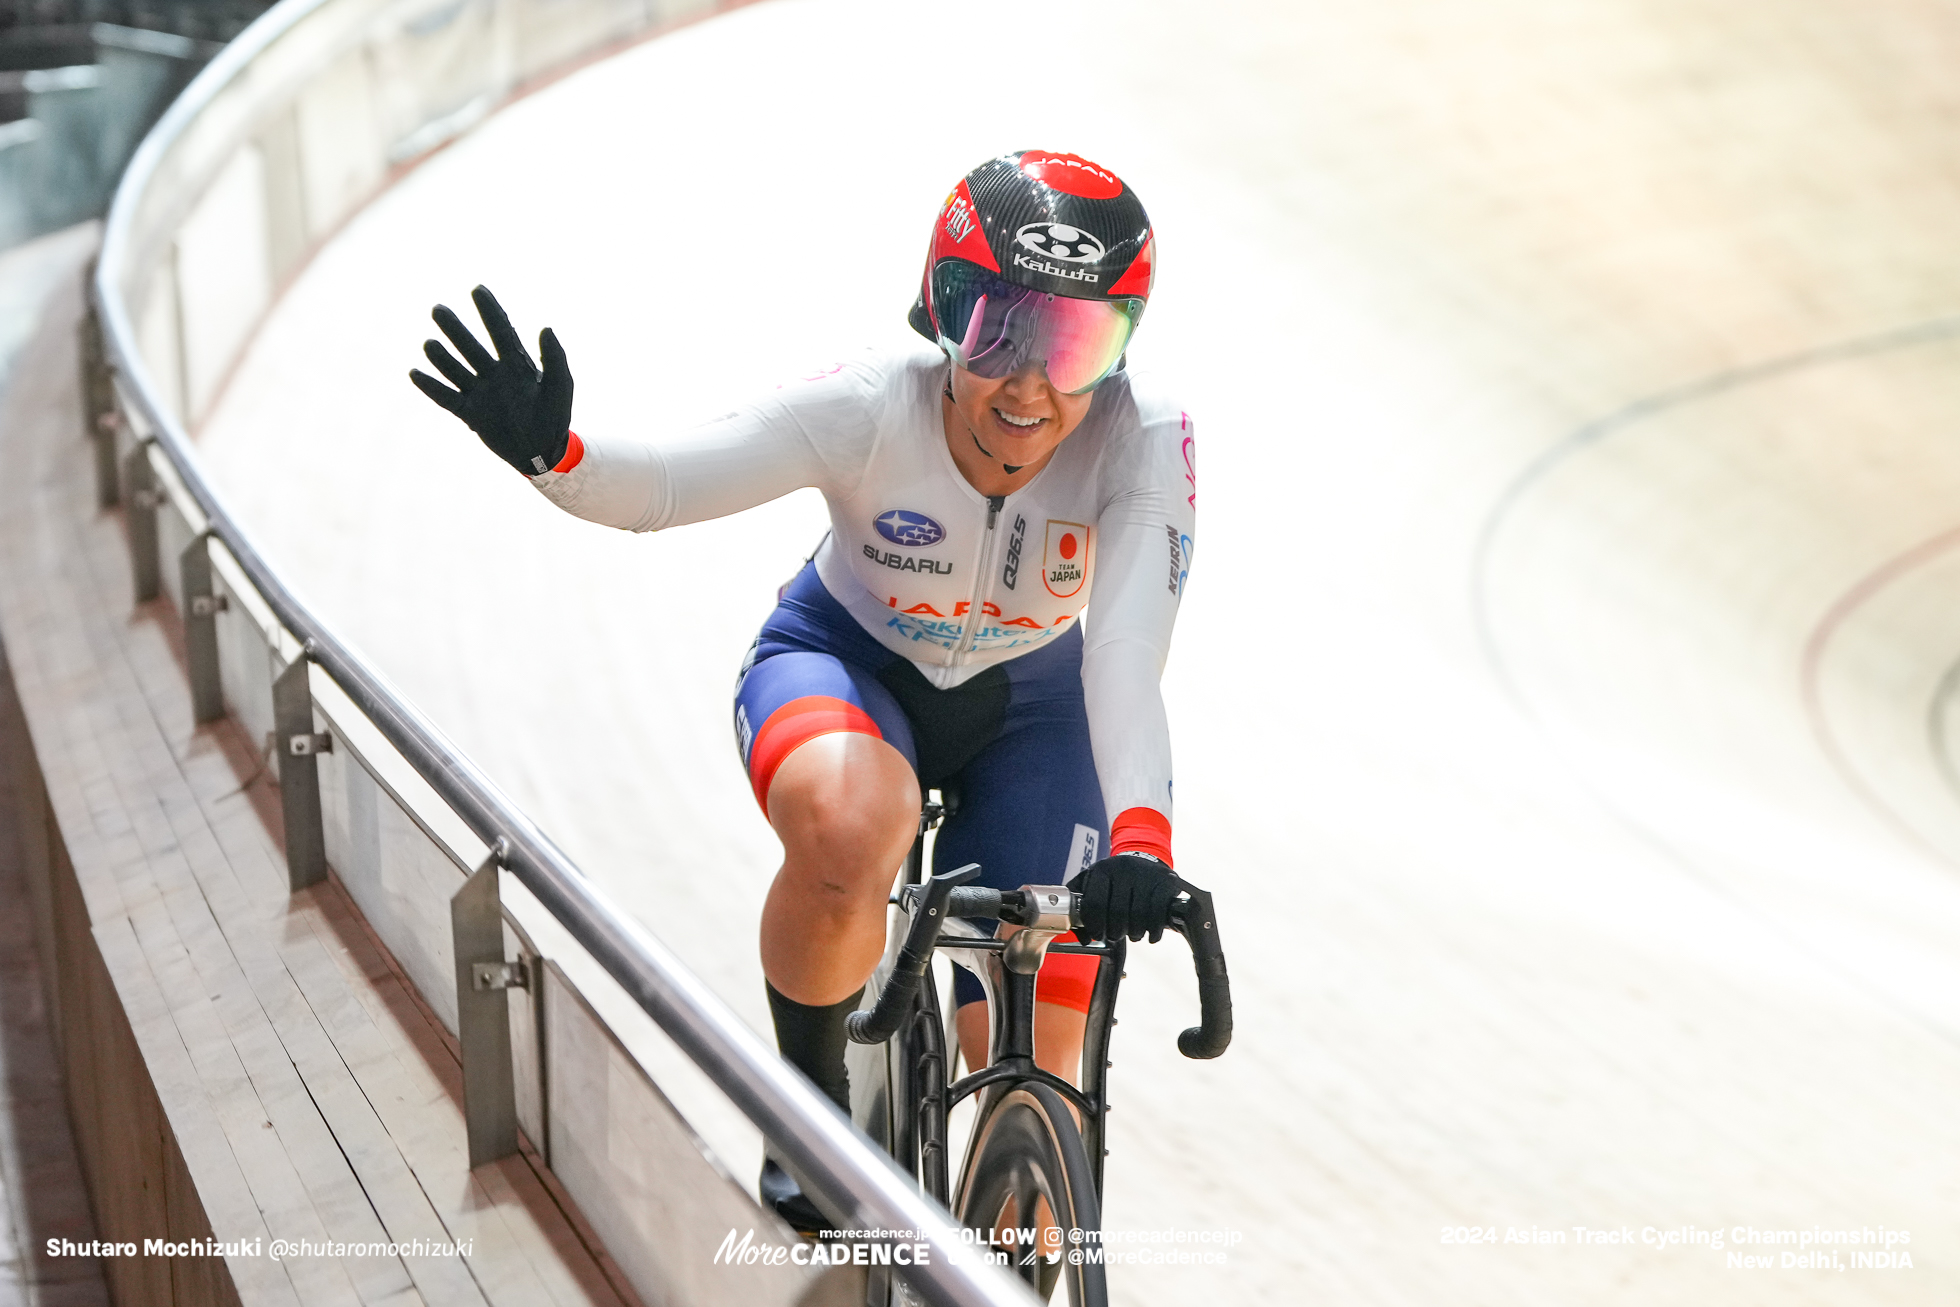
1065	558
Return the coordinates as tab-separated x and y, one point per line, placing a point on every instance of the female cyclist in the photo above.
979	491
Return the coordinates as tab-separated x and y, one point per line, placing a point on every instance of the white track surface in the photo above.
1575	795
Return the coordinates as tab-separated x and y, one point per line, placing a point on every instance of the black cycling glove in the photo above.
523	416
1128	895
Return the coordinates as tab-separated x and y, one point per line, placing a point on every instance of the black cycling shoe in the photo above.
780	1193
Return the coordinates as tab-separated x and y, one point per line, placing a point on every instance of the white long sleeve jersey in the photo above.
938	572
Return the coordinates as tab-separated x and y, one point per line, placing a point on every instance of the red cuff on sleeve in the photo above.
1142	830
574	451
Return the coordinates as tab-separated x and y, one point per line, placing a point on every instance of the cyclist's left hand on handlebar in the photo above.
522	414
1128	895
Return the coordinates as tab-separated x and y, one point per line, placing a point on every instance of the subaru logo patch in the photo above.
902	526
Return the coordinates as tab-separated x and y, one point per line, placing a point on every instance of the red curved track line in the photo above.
1814	649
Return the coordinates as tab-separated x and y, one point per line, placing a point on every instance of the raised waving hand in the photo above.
523	415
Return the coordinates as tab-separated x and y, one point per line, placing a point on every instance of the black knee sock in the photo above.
812	1040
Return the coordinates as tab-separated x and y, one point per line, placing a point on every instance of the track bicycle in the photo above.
1027	1164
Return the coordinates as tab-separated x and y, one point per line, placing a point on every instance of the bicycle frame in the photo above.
922	1131
1023	1145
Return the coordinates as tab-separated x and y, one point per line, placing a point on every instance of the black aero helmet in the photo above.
1037	258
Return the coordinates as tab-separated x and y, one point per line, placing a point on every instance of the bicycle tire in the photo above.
1025	1145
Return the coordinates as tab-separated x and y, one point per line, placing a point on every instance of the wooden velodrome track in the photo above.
1564	698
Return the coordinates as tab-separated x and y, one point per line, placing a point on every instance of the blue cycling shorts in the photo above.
1009	747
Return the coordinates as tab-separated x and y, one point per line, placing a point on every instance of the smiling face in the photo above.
1015	422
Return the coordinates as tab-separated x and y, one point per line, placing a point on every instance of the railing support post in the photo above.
140	498
294	740
108	486
99	416
483	983
201	609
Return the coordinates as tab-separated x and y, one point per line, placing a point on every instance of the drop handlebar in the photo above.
949	895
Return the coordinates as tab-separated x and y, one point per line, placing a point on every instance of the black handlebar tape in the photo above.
1213	1033
908	973
976	901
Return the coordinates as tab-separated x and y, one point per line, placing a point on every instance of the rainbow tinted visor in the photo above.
994	329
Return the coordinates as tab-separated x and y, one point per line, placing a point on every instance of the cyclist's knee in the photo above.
846	800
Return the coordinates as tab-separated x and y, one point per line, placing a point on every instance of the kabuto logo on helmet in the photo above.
1058	240
1054	269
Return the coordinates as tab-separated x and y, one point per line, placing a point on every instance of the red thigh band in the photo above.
794	723
1066	979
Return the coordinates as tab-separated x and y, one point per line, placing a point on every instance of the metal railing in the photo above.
139	418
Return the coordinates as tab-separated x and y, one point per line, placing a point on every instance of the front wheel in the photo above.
1026	1173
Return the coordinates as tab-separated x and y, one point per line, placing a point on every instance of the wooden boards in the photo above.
242	1064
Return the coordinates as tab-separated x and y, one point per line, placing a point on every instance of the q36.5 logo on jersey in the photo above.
1059	241
902	526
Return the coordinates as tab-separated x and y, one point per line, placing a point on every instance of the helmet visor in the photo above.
994	329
